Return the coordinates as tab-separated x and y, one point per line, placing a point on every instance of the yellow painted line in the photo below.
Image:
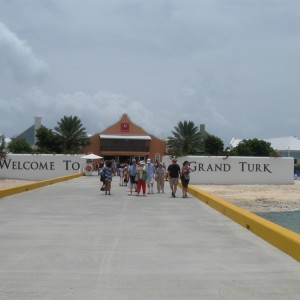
284	239
30	186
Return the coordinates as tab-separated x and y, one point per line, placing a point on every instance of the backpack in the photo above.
103	175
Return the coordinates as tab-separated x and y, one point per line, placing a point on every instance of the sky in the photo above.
233	65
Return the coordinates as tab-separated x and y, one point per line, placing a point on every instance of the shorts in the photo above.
185	182
132	179
173	181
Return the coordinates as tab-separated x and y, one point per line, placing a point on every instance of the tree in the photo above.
254	147
185	139
19	145
214	145
47	141
2	149
71	134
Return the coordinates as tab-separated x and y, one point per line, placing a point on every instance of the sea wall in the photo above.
238	170
40	166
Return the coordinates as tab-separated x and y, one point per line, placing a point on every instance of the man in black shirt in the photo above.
174	173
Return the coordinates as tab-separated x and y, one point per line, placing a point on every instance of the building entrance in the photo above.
124	159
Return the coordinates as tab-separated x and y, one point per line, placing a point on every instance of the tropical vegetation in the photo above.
2	150
19	145
253	147
213	145
187	140
71	133
47	141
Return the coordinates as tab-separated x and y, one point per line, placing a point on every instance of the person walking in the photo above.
108	177
102	177
126	175
113	167
185	178
121	174
150	169
160	174
173	174
166	173
132	175
142	177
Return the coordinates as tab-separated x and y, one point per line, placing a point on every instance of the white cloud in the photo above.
96	111
233	65
18	63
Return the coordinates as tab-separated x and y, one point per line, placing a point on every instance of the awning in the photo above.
91	156
125	137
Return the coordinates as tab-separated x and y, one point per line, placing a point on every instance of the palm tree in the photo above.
72	134
185	140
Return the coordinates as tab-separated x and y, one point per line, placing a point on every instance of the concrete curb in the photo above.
278	236
30	186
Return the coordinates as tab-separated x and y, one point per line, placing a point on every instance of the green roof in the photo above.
28	135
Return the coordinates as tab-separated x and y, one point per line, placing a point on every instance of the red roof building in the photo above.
124	141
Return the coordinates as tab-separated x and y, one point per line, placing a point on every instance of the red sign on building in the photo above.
124	127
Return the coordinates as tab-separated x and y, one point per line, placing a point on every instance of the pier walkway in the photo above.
70	241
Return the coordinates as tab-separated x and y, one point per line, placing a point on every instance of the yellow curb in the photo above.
30	186
284	239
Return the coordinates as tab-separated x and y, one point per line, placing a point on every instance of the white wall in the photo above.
238	170
40	167
208	169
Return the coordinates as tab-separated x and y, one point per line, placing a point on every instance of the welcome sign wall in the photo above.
39	167
238	170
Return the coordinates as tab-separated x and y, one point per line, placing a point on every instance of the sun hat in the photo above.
141	162
148	160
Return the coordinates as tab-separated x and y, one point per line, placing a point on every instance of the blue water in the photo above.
287	219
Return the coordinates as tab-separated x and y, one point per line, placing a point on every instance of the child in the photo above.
126	176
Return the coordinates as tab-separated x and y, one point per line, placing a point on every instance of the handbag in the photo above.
136	177
144	176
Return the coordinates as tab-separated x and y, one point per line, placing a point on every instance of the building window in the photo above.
124	145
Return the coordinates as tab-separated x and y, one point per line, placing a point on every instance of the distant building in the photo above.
30	134
124	141
285	146
203	135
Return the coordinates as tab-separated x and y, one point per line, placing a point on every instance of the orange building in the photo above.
124	141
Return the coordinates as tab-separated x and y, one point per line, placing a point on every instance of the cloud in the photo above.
96	111
18	63
233	65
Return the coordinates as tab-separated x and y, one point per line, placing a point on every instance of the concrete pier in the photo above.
70	241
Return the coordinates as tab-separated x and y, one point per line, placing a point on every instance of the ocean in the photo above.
287	219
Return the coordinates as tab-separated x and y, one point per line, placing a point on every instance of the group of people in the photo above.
141	177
